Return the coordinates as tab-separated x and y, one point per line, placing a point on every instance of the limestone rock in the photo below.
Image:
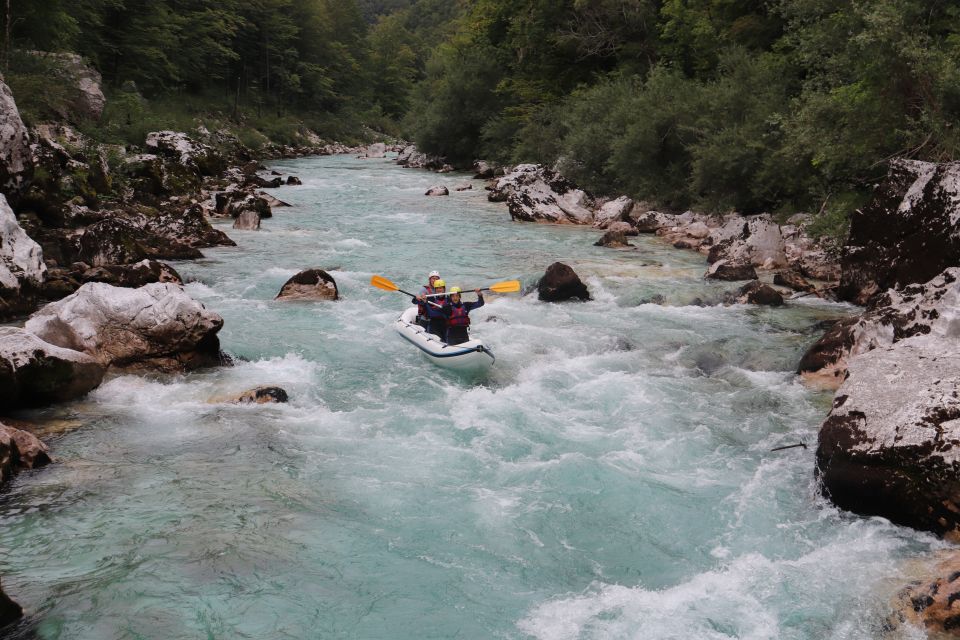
724	270
613	211
34	372
132	275
262	395
376	150
312	284
464	187
651	221
15	165
793	280
22	270
756	240
437	190
31	452
484	170
88	100
559	283
931	309
193	155
757	292
248	220
120	241
625	228
932	603
614	240
157	324
187	226
890	446
534	193
414	159
907	234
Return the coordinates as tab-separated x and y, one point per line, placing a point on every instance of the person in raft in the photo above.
420	300
436	310
458	319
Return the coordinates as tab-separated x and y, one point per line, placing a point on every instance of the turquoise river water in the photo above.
611	478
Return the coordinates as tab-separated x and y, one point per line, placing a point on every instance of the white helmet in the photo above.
433	274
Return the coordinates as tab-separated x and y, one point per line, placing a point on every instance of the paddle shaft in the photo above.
413	295
436	295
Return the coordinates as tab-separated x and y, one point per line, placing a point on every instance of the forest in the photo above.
747	105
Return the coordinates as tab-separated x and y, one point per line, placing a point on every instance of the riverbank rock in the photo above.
613	211
87	100
312	284
908	233
651	221
34	372
559	283
262	395
437	190
756	240
931	309
22	269
31	453
10	611
414	159
118	240
375	150
613	240
157	326
760	293
729	271
132	275
248	220
193	155
484	170
15	165
293	181
890	446
792	280
534	193
933	603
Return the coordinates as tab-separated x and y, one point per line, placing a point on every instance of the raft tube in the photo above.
471	355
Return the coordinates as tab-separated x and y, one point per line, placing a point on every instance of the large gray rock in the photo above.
193	155
31	452
88	100
613	211
155	325
931	309
15	165
248	220
376	150
651	221
756	240
414	159
560	282
729	271
907	234
34	372
534	193
890	446
119	240
22	270
132	275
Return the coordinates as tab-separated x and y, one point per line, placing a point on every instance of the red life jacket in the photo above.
458	316
422	307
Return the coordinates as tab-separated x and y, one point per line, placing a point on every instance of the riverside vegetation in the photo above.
135	122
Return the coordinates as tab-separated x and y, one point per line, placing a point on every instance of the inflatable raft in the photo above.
471	355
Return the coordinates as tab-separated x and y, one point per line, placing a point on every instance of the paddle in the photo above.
507	286
382	283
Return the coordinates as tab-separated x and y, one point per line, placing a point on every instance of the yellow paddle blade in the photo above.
507	286
382	283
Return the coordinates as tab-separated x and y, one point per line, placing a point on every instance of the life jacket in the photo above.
458	316
421	306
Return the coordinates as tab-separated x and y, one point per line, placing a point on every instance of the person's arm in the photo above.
416	298
475	305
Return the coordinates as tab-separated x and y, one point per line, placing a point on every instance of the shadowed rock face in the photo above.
723	270
10	611
907	234
312	284
757	292
559	283
15	165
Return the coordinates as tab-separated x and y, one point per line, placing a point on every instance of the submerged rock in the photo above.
724	270
34	372
312	284
10	611
907	234
559	283
262	395
155	326
757	292
437	190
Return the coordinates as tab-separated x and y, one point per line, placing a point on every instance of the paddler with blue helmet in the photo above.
457	314
423	317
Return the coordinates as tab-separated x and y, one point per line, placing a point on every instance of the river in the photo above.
611	478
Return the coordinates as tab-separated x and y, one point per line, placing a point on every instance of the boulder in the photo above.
890	446
484	170
697	229
907	234
191	154
559	283
235	203
757	292
160	176
414	159
132	275
31	452
931	603
15	165
312	284
34	372
120	241
651	221
613	211
534	193
262	395
272	202
249	220
756	240
186	226
725	270
10	611
22	270
613	239
623	227
376	150
793	280
463	187
437	190
294	181
88	100
157	325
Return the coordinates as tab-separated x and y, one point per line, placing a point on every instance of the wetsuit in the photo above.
458	320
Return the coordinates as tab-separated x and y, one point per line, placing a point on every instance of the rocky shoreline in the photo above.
890	445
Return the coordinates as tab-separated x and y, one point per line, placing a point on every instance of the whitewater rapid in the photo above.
611	478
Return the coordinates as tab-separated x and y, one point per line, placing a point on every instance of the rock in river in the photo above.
312	284
559	283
